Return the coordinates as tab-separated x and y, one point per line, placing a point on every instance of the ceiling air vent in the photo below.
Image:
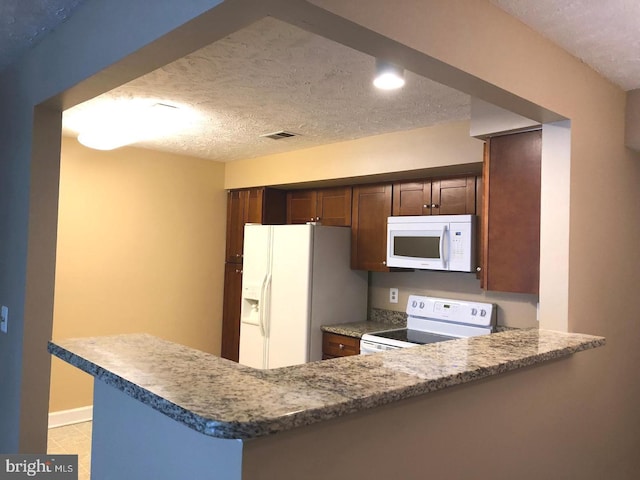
279	135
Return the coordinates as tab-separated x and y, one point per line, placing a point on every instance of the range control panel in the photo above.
459	311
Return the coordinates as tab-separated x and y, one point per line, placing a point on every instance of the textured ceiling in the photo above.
605	34
272	76
23	23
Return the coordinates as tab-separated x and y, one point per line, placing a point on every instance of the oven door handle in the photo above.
368	347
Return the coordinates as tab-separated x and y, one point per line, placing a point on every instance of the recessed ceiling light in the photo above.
388	76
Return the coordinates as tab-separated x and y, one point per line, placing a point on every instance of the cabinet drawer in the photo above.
334	345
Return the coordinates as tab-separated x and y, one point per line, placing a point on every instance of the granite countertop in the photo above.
223	399
359	328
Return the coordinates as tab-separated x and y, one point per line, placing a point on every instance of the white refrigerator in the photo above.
295	279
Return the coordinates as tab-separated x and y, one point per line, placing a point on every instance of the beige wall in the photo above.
508	427
140	249
514	309
437	146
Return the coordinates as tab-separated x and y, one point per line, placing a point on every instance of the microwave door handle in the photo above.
443	256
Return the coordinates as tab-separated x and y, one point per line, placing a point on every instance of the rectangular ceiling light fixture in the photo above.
134	124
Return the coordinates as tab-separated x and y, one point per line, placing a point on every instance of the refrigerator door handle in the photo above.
266	311
263	305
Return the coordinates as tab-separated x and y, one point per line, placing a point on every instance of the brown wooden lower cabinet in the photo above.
335	345
231	311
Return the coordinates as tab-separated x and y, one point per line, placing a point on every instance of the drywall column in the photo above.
632	120
28	219
554	226
14	214
41	266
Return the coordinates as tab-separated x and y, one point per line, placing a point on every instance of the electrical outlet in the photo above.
393	295
4	318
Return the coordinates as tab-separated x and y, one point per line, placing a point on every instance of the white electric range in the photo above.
430	320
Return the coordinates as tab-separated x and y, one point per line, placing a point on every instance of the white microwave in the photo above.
437	242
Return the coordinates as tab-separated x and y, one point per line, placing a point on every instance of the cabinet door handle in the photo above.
384	262
238	271
434	205
426	205
317	219
341	346
478	269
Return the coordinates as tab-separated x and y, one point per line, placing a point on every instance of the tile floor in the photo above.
73	439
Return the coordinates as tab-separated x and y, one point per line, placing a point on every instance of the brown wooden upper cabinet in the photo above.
251	205
301	206
329	206
371	208
448	196
511	213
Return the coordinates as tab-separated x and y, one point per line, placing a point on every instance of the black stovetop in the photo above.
413	336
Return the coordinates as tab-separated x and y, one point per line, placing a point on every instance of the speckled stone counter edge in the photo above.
485	356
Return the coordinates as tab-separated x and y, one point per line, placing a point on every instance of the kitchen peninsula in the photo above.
213	418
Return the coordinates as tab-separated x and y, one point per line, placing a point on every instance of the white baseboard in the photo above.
68	417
